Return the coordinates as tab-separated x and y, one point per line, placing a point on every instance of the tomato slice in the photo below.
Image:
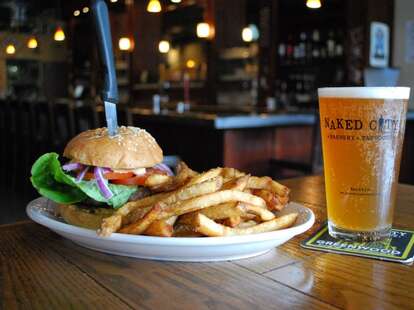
110	175
136	180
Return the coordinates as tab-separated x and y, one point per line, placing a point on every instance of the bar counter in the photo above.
245	139
242	139
229	120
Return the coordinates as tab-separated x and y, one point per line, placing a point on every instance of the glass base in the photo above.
359	236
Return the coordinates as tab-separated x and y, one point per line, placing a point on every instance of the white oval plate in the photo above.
41	210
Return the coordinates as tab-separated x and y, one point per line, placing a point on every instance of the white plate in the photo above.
41	210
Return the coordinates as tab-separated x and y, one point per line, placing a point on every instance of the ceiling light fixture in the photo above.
125	44
154	6
32	43
10	49
203	30
313	4
59	34
164	46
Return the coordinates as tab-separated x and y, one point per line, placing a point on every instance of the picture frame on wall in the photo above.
379	45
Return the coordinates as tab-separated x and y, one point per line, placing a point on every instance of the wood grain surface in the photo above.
41	270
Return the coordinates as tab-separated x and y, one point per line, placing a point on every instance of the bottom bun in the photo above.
90	218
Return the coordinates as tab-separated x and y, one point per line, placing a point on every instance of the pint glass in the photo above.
362	132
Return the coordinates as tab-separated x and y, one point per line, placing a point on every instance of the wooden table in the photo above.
41	270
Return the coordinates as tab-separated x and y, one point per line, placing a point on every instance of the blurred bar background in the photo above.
217	82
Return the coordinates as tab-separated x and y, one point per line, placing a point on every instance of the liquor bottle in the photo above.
282	52
302	47
289	50
315	44
330	44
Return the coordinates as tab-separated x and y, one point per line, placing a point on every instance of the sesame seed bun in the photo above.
131	148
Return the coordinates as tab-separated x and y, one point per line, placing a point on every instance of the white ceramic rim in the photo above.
365	92
172	241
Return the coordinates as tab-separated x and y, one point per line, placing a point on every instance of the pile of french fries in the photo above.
219	202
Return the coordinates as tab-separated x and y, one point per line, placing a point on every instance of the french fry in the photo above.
208	227
246	224
231	173
186	231
263	214
142	224
209	200
184	170
144	202
269	184
232	221
238	184
110	225
217	212
184	174
198	189
161	228
210	174
158	182
222	211
272	201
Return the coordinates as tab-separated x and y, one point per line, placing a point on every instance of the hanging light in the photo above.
85	10
76	13
176	1
247	34
10	49
313	4
164	46
250	33
154	6
113	1
203	30
32	43
59	34
125	44
190	64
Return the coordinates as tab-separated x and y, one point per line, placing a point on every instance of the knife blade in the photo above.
111	118
110	89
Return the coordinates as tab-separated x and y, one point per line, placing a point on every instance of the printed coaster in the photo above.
398	248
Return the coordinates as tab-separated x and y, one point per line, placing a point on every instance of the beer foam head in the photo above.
365	92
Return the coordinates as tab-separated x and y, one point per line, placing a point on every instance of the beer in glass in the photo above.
362	132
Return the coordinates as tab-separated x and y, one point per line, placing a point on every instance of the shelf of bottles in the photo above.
306	61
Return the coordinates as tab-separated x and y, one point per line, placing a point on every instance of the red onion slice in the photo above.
106	170
102	183
165	168
81	174
72	166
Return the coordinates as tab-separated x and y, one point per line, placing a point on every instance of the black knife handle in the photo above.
100	12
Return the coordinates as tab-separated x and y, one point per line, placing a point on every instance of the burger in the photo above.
100	173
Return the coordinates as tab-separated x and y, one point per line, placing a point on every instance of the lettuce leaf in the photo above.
52	182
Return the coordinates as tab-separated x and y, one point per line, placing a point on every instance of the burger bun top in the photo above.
131	148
